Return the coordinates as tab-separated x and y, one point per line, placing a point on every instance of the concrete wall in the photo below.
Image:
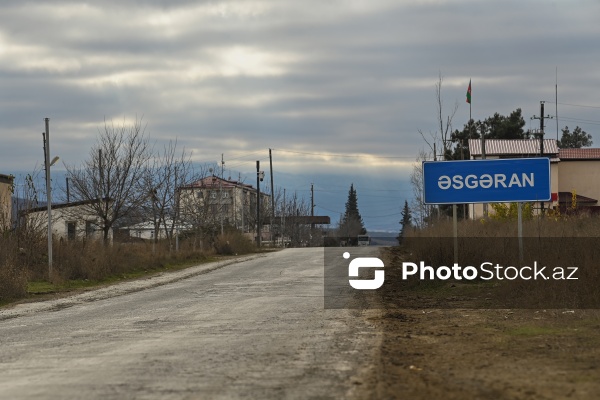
69	223
581	176
6	190
555	174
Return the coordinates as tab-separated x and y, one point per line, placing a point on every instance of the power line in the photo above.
363	216
581	120
381	216
343	155
362	189
244	155
578	105
327	209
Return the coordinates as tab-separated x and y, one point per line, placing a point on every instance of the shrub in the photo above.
13	281
233	242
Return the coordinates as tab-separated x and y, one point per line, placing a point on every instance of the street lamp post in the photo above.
260	175
258	203
47	165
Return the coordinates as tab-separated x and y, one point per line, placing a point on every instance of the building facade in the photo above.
216	202
6	191
578	175
70	221
573	172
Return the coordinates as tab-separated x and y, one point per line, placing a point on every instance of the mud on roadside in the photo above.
463	353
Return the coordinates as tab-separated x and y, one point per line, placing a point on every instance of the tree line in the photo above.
126	179
448	144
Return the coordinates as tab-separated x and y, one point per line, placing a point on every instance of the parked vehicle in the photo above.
364	240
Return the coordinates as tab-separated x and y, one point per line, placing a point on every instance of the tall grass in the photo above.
561	243
24	258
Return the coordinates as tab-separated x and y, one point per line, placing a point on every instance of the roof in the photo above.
567	197
62	205
149	225
499	147
579	154
6	179
216	182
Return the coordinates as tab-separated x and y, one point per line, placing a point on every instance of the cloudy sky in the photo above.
338	89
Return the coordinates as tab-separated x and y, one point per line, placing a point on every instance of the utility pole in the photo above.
433	206
541	129
272	195
258	203
462	157
243	199
312	207
541	134
542	139
221	194
485	206
283	220
46	136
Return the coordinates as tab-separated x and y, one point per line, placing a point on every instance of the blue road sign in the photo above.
487	181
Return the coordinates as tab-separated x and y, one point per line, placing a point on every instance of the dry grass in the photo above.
560	244
24	258
233	243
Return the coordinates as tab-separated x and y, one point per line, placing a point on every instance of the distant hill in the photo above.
384	240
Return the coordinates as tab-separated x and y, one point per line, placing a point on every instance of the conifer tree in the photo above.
405	222
352	223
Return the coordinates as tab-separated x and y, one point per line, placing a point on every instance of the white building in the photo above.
70	221
147	231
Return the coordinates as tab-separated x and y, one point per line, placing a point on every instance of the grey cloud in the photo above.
352	77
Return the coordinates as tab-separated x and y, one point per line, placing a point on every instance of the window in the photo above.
199	194
90	228
71	230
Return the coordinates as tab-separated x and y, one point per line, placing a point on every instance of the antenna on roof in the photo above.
556	101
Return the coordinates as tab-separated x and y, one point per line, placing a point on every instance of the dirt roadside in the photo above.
466	353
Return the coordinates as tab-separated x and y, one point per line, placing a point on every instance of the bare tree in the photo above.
421	211
194	210
440	140
114	172
167	171
292	229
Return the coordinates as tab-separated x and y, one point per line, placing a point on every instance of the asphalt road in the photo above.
255	329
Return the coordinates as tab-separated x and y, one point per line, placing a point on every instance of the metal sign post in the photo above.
520	230
455	232
513	180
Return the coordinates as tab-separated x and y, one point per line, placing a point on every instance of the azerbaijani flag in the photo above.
469	93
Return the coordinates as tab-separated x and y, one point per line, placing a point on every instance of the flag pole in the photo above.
470	137
469	100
